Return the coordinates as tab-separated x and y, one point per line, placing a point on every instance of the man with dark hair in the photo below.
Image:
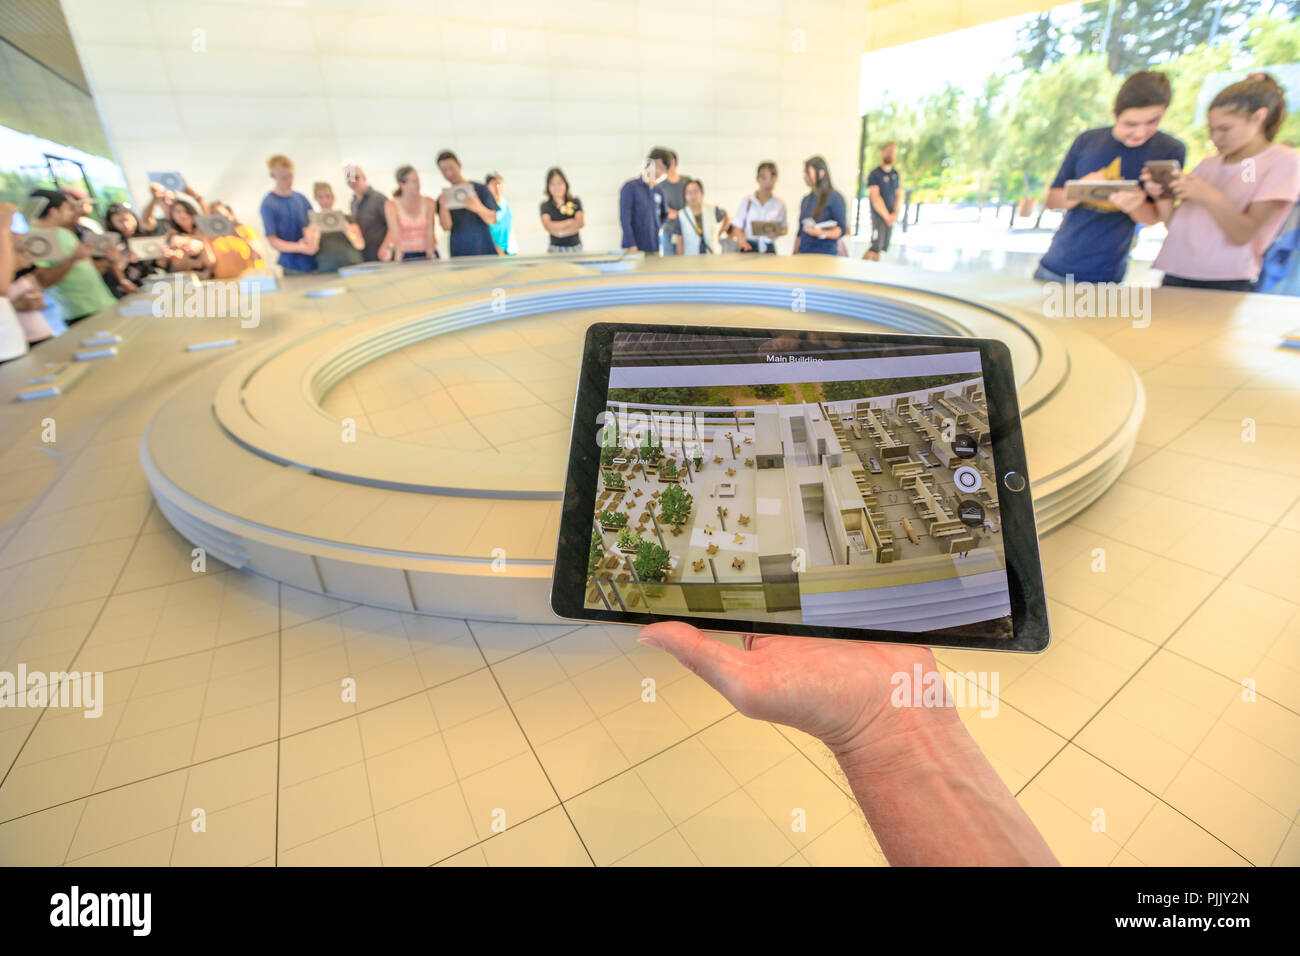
884	196
673	187
72	280
469	228
1092	243
640	205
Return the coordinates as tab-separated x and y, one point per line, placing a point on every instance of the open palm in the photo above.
836	690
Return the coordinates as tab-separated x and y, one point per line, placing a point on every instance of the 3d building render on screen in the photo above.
833	488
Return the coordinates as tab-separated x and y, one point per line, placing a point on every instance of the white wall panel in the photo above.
213	88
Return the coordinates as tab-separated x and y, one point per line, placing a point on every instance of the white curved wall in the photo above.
515	85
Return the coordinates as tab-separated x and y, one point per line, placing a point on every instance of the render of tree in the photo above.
597	552
628	540
614	481
675	504
668	469
651	448
613	519
767	391
651	561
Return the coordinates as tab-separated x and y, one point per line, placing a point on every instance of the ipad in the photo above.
168	179
1163	171
330	220
826	484
765	227
1098	190
458	196
214	225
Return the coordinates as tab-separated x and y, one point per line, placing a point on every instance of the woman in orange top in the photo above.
234	254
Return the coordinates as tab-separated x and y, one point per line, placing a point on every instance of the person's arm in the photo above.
430	215
52	275
353	232
1238	227
625	206
7	210
283	245
444	214
203	206
841	224
929	794
898	201
552	228
391	238
477	206
877	204
1136	206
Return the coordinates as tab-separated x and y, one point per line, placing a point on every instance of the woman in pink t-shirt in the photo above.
1231	206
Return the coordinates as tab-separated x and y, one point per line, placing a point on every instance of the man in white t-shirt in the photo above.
760	206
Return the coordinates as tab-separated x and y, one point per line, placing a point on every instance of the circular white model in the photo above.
404	445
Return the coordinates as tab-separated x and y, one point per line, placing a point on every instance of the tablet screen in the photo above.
834	483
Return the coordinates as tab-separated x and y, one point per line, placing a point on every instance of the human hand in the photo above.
1129	201
1153	189
7	212
386	253
745	244
81	252
1193	188
835	690
33	300
156	190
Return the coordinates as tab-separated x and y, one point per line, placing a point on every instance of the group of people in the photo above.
403	227
663	211
1221	217
93	263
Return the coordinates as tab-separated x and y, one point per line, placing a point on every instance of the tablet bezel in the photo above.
1029	623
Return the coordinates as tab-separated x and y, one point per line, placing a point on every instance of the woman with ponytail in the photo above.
1225	213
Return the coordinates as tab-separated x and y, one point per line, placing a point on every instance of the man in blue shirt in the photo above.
641	208
1093	241
284	220
884	197
470	228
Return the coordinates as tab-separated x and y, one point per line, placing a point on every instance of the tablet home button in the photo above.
1013	481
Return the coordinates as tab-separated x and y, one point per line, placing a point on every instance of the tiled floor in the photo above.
245	722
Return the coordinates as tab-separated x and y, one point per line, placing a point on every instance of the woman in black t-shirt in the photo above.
561	213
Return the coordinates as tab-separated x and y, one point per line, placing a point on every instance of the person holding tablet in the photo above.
823	216
929	794
337	249
1231	206
410	220
1093	240
760	206
561	213
468	228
